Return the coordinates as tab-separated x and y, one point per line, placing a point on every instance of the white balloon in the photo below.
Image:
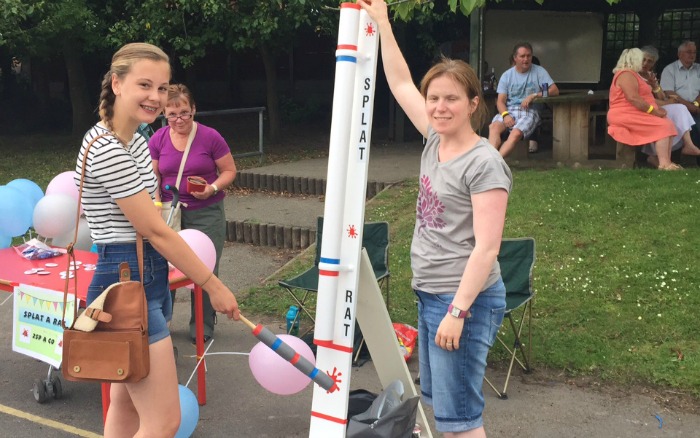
84	241
54	215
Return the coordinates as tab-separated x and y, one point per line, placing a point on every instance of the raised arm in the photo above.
397	73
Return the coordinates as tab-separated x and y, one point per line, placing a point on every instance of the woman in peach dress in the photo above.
634	117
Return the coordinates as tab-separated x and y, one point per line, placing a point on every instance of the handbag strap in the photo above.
193	132
70	250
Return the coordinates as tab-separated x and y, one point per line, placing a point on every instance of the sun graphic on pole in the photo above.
369	30
352	231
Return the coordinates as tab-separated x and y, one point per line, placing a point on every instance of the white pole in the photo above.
329	409
329	265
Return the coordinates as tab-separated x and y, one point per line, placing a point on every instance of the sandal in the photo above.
672	166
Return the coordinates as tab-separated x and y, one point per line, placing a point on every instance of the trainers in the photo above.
532	146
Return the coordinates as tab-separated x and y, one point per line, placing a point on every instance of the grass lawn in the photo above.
616	276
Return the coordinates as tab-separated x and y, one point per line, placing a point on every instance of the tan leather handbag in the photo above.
108	342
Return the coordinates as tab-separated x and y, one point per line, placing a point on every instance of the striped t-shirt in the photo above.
113	172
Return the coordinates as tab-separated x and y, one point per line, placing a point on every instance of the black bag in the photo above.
387	416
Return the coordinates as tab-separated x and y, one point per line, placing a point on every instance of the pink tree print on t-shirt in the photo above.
429	208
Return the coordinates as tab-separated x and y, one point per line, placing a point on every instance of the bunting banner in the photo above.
36	323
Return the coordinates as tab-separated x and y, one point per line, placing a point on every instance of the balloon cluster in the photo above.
17	201
24	205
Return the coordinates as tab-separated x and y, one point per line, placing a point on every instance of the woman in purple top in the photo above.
210	158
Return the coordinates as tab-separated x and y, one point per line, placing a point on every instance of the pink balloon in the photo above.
202	245
63	183
275	373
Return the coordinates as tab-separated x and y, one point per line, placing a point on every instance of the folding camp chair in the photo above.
375	240
517	257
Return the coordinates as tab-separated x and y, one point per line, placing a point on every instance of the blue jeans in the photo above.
155	282
451	381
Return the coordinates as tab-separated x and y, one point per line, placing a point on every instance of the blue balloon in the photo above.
16	212
189	412
5	241
29	188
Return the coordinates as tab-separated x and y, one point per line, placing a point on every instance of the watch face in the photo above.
456	312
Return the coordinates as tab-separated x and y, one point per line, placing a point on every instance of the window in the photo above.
621	32
672	28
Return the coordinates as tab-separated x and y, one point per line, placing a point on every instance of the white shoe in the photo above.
532	147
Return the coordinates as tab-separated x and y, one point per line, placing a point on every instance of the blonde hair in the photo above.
630	59
463	74
178	92
122	61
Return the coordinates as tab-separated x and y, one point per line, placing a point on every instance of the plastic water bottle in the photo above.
293	321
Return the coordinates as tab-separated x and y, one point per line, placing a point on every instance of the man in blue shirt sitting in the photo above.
518	87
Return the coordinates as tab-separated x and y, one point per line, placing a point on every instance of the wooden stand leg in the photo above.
375	323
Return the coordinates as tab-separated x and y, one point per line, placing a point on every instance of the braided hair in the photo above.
122	61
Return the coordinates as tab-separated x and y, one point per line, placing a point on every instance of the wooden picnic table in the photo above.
570	118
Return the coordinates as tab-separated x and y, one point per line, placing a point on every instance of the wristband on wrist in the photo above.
216	188
206	281
696	103
157	203
504	113
657	89
651	108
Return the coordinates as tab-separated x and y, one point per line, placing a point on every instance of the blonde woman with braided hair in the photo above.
119	194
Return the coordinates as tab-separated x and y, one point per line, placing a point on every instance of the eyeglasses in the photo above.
174	117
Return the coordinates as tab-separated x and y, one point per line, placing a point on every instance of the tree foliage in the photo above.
406	9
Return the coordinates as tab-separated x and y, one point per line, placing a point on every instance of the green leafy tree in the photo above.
406	9
187	27
270	27
40	29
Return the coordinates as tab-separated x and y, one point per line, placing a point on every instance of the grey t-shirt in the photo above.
443	238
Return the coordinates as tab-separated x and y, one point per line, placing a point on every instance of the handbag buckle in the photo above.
124	271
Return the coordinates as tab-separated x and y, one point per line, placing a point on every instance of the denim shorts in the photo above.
451	381
155	273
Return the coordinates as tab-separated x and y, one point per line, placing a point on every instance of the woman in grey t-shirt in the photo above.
460	215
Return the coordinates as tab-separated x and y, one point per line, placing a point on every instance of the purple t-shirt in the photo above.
207	147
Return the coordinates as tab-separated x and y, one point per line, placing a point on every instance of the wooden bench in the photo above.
626	155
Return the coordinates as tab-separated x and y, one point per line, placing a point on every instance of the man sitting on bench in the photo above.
518	87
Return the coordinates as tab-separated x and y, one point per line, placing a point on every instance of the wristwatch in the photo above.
457	312
695	102
216	189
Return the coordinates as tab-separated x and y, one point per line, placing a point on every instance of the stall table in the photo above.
13	266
